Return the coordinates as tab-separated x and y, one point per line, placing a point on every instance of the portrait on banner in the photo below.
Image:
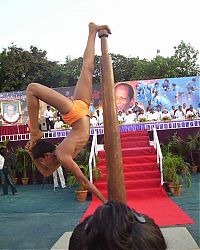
11	111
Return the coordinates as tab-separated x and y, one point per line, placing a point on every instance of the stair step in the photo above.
135	175
134	160
134	144
135	138
126	152
135	167
134	133
134	184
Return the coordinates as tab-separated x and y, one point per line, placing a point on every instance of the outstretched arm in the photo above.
69	164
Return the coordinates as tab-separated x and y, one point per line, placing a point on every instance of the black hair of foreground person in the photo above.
115	226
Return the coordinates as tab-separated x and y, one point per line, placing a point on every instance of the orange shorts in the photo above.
79	110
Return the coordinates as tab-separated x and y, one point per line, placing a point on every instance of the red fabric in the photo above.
13	129
142	181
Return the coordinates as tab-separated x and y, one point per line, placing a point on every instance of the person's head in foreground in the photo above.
115	226
124	95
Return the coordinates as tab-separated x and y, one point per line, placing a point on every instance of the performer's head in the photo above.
43	151
124	95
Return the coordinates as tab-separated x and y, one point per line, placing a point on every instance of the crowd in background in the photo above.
136	113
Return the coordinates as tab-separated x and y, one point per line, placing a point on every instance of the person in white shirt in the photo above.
179	114
198	110
184	108
191	112
130	117
120	117
59	172
142	115
58	124
166	115
99	116
158	113
93	120
48	115
152	116
2	160
172	112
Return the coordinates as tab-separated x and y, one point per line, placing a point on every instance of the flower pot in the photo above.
15	179
81	195
25	181
194	169
175	189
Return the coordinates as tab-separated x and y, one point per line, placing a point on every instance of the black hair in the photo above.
130	89
42	147
79	236
116	226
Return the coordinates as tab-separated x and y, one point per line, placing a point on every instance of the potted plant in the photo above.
193	145
176	171
23	163
81	192
82	161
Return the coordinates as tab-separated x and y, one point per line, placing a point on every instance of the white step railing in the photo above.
159	154
92	158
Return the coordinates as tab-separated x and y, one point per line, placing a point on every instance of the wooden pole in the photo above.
114	162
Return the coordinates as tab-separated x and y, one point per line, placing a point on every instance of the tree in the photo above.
185	59
19	68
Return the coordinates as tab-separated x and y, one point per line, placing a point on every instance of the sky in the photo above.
139	27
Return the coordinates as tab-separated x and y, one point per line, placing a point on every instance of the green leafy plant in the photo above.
72	181
82	160
193	145
23	161
176	170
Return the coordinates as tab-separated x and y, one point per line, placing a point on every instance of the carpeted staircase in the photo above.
142	181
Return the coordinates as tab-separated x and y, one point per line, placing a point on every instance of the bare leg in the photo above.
83	89
36	92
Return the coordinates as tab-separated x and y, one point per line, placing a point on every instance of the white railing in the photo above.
92	158
159	154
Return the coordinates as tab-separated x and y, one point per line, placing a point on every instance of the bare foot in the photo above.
96	28
35	135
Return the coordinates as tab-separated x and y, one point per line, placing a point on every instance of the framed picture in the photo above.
11	111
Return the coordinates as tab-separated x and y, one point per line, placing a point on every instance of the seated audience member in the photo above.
99	116
58	124
141	115
172	112
115	226
166	115
151	116
120	117
93	120
130	116
198	110
191	112
179	114
158	113
184	108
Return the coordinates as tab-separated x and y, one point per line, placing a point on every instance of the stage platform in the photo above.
16	133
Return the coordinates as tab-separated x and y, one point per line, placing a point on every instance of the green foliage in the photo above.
176	170
19	67
24	161
193	145
82	160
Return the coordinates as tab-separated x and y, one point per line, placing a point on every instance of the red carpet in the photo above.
142	181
